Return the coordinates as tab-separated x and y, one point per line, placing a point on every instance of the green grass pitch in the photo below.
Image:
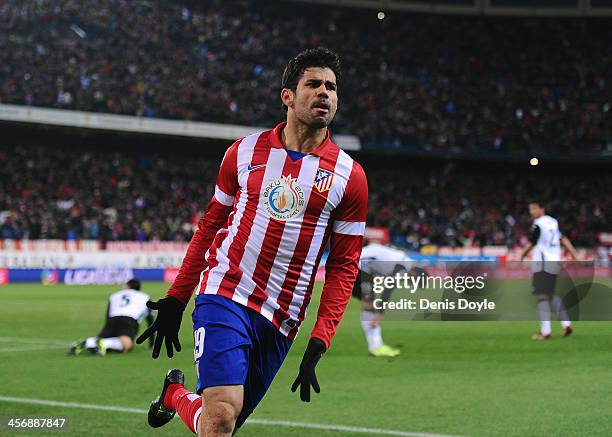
452	378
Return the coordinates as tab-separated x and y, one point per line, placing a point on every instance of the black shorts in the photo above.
120	325
543	283
362	289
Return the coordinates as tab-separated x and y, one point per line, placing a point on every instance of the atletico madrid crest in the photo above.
323	180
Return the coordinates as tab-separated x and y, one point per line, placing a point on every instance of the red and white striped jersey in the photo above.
262	236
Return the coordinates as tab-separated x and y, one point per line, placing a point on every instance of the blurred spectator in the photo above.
70	193
468	207
67	194
424	81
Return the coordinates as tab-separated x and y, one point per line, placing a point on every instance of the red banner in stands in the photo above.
377	234
170	274
605	238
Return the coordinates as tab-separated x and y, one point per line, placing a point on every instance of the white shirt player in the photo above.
546	253
378	259
128	303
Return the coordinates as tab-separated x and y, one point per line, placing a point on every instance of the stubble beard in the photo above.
316	122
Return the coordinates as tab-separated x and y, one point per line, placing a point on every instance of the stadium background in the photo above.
114	117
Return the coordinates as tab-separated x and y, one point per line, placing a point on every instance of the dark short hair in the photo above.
317	57
536	202
133	284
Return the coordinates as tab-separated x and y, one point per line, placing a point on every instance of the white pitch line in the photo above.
354	429
320	426
32	340
29	348
72	405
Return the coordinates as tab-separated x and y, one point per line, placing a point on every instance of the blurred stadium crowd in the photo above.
422	81
71	194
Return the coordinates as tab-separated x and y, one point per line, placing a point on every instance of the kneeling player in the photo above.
545	242
126	308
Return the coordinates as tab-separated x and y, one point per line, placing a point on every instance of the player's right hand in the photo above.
166	326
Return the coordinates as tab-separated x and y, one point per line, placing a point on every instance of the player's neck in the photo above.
301	138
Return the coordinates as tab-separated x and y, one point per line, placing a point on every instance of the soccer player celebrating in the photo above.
126	309
377	260
280	196
545	246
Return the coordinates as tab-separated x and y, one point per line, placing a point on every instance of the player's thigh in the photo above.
229	395
127	342
221	343
108	330
543	296
222	405
270	347
367	305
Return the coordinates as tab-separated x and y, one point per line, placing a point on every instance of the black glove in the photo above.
307	376
150	320
166	325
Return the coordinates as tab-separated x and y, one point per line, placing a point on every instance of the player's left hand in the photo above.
307	376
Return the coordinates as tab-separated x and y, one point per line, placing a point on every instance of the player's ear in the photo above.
287	97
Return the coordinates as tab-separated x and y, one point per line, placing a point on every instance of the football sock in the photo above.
112	343
373	335
91	342
557	303
544	311
188	405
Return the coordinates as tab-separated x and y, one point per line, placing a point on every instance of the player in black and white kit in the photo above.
126	308
545	246
377	260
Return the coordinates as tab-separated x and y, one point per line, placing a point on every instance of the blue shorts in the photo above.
234	345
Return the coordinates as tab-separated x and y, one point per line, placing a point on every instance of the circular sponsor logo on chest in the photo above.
283	198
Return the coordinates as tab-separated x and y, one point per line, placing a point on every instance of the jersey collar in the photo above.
276	135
